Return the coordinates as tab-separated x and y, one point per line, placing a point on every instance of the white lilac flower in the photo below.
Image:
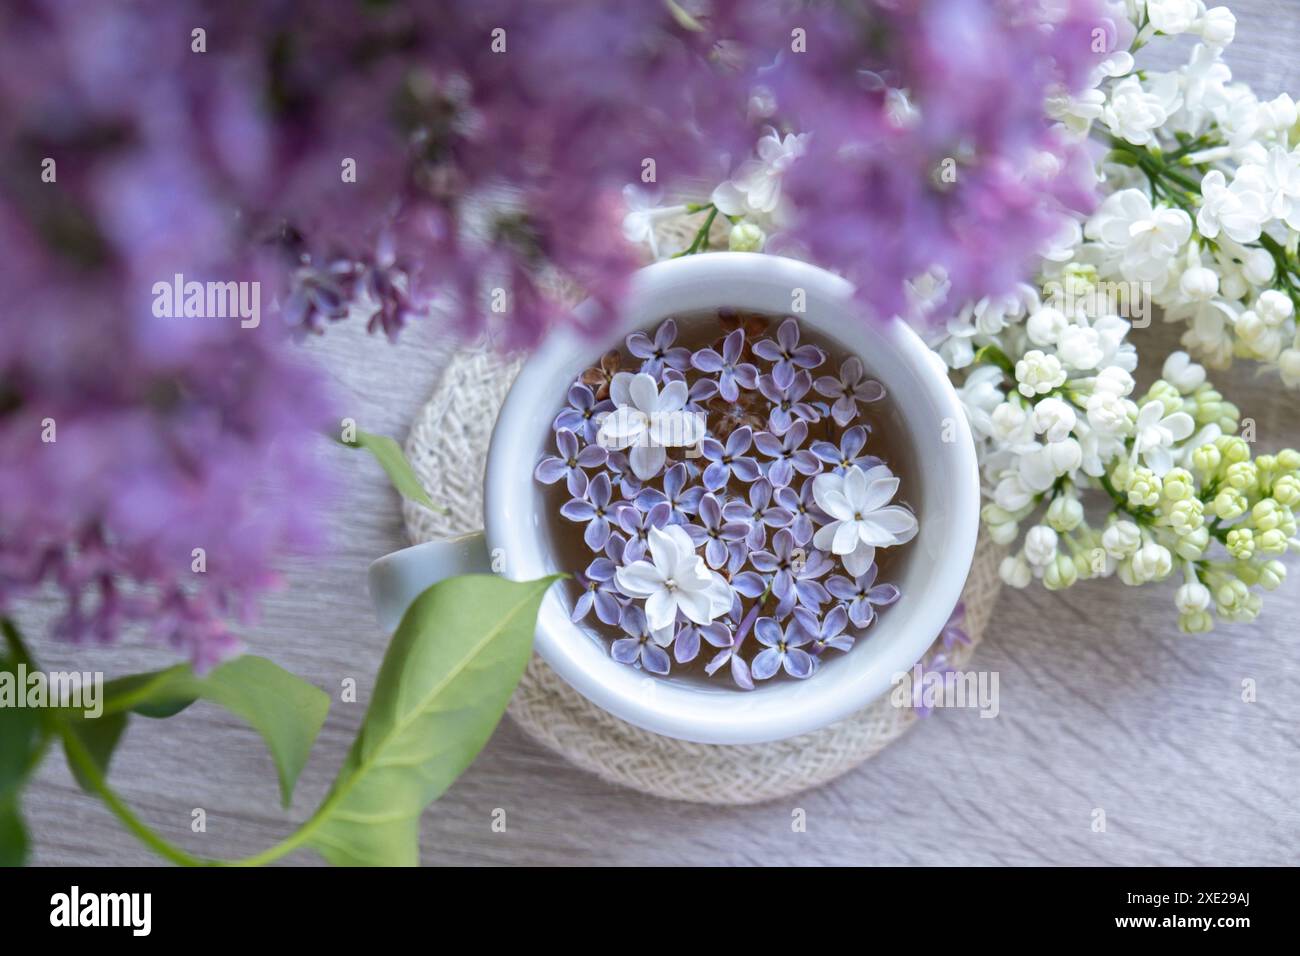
1109	413
674	579
1054	419
1038	373
1134	111
980	394
1010	424
644	212
1218	27
1080	347
1238	210
755	188
861	517
1155	434
1146	238
648	420
1181	372
1172	17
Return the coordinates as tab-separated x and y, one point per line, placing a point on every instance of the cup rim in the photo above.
725	715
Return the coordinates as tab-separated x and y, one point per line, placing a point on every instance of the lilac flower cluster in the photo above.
730	537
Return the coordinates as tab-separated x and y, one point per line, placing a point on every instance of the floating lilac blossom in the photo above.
718	546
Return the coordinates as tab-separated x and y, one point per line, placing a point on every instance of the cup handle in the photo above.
397	579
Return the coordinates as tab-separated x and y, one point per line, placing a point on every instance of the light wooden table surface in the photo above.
1103	705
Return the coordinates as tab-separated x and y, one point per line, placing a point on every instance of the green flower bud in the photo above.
1241	543
1230	504
1195	622
1206	459
1231	596
1271	542
1271	574
745	237
1064	514
1191	547
1060	573
1288	461
1286	490
1233	448
1242	475
1178	484
1266	515
1167	395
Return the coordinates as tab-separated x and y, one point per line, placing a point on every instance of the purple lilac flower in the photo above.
599	593
826	631
758	513
686	647
851	387
787	401
620	473
781	649
582	416
794	573
847	454
730	459
682	500
788	454
596	510
569	464
636	524
733	374
802	509
787	354
641	646
659	354
862	595
721	538
954	632
730	655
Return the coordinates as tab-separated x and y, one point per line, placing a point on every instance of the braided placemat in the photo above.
448	446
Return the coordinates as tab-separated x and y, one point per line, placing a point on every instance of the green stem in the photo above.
701	240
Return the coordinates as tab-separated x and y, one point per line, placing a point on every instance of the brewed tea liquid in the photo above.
702	330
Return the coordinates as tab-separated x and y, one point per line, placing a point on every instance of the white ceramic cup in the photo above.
932	451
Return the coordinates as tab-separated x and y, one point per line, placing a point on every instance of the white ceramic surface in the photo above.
941	483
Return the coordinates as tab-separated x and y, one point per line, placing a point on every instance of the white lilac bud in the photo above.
1199	283
1054	419
1015	571
1065	513
1152	562
1121	539
746	237
1192	596
1040	545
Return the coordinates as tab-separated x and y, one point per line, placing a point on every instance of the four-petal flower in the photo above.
851	387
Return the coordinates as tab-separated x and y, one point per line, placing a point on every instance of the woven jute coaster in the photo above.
448	446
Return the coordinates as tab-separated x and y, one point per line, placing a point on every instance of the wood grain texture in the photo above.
1103	704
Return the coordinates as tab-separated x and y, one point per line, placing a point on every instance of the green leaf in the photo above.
99	735
22	744
287	711
390	457
448	673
